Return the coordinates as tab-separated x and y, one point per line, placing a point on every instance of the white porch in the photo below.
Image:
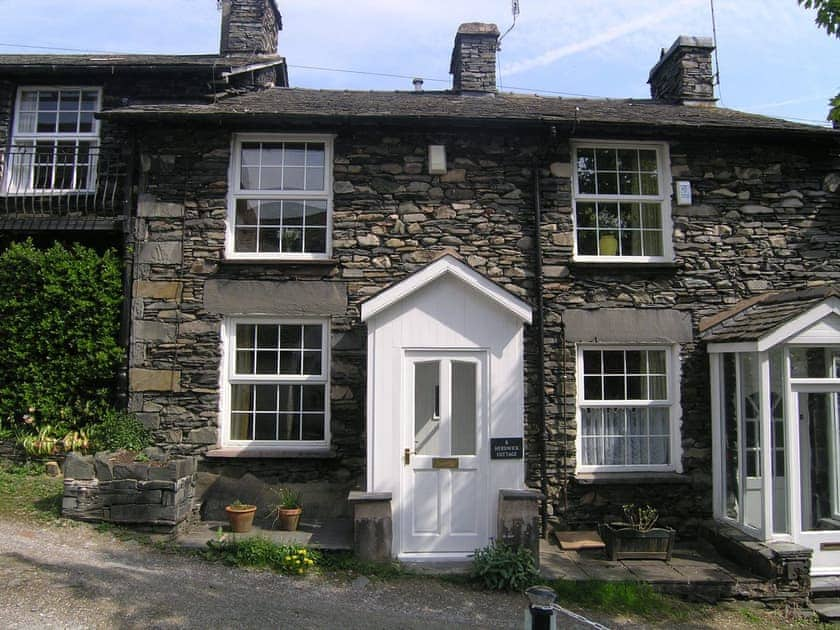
445	377
775	379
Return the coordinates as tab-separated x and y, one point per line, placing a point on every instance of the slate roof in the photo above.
756	317
306	104
28	63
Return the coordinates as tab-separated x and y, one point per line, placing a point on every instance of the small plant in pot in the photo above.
240	516
287	510
637	537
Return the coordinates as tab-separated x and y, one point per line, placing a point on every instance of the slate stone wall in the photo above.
473	65
765	216
685	72
248	26
155	495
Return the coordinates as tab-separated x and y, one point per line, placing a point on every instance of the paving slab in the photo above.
333	534
828	609
557	565
653	571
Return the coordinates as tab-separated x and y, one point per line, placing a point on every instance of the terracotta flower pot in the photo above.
241	517
288	518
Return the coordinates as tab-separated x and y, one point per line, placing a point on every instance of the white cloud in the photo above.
609	34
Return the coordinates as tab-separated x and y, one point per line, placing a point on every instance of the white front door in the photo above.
445	507
819	479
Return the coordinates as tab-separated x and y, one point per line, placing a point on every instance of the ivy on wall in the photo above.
59	325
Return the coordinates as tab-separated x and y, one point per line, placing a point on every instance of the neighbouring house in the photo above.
434	297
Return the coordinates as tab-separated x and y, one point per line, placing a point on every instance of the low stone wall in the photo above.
110	487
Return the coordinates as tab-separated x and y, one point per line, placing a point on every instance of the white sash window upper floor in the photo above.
280	204
622	202
55	141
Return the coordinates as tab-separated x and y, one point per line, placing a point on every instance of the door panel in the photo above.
465	497
444	474
426	511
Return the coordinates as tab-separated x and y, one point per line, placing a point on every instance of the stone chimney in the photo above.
473	66
249	27
684	74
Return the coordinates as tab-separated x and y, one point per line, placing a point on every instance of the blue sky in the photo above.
773	59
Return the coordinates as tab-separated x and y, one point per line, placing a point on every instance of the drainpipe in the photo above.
538	272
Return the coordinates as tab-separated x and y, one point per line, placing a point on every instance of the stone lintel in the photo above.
143	380
281	298
628	325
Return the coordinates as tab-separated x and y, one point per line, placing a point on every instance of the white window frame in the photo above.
672	404
229	376
663	198
234	193
17	137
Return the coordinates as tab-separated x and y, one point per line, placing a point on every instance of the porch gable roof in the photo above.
447	264
758	318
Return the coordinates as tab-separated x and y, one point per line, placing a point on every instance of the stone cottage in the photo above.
435	297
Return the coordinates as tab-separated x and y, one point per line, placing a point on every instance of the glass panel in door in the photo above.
463	425
818	453
427	434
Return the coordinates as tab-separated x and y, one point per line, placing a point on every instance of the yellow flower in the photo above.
300	570
287	558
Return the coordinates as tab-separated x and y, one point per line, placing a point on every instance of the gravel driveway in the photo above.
75	577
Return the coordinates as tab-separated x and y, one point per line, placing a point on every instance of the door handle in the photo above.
407	456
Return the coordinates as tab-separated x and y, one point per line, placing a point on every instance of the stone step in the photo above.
827	608
825	584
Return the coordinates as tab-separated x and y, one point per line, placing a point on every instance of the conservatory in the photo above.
775	379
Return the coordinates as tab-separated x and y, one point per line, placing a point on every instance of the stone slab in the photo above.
827	609
160	253
154	331
148	206
653	571
331	534
628	325
158	290
290	298
143	380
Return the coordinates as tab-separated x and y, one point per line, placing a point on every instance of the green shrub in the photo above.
119	430
504	567
289	558
59	352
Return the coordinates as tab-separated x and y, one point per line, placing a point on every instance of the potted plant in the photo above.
287	510
637	537
240	516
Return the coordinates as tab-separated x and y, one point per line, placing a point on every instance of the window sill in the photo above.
264	452
297	262
624	265
631	478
